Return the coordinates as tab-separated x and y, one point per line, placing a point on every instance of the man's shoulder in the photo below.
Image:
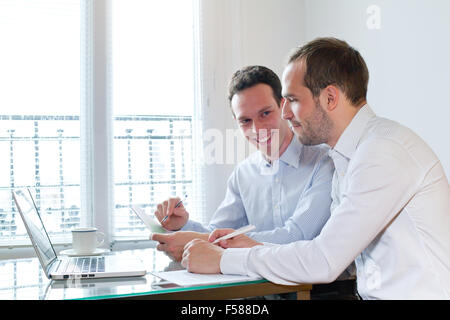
381	135
390	138
383	128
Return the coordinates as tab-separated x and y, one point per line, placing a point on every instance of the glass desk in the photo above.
24	279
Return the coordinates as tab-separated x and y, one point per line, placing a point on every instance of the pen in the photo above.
176	206
235	233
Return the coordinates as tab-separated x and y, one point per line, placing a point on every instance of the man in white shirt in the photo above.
391	199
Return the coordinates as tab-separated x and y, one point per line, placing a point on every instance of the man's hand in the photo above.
240	241
201	256
177	217
173	244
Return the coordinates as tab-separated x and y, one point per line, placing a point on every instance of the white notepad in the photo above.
149	221
186	279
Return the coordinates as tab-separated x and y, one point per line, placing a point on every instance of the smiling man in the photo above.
283	189
391	199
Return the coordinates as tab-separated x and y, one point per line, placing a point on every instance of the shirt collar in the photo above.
349	139
290	156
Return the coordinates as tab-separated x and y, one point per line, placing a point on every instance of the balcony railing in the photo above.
152	156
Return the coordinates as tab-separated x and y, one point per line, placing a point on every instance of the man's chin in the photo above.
264	144
301	135
308	141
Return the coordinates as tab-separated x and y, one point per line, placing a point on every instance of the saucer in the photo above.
71	252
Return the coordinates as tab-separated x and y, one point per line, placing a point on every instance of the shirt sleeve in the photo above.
230	213
381	180
312	210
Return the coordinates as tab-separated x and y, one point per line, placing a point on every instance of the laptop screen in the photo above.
35	227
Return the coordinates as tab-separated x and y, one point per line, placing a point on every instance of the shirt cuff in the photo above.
234	261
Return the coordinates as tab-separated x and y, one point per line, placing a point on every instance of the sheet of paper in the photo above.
187	279
149	221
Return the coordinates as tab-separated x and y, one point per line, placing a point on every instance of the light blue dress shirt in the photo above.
286	201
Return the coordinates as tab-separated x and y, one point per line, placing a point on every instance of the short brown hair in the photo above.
330	61
250	76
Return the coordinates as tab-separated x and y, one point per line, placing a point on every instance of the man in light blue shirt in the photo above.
283	189
289	205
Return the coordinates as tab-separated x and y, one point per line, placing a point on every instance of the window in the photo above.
40	117
51	124
153	102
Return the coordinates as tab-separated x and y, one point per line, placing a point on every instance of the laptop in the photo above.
69	267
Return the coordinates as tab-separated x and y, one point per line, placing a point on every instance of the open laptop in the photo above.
69	267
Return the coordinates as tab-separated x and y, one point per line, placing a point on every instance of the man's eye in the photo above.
244	121
265	113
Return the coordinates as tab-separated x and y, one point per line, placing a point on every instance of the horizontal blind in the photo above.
155	121
39	114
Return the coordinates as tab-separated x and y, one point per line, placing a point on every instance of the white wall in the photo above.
408	58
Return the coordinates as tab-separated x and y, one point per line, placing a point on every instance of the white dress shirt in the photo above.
286	201
390	214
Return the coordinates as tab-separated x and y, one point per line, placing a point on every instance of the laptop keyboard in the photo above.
86	265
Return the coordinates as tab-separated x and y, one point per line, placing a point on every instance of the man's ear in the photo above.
330	96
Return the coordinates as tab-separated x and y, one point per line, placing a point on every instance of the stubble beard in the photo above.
316	130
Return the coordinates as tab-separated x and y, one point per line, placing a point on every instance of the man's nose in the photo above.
286	111
256	126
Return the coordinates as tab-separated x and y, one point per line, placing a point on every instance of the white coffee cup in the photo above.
86	240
